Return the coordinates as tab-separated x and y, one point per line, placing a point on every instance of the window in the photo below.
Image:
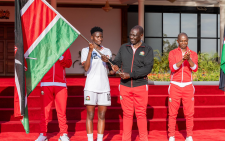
164	23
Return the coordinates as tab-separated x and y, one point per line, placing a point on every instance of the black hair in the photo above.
139	28
182	33
96	29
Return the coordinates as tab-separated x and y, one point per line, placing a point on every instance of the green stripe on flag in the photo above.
25	121
48	51
222	64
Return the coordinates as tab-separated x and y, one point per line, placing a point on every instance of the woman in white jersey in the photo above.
97	89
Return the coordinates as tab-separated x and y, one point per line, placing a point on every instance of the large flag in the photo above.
222	66
19	91
42	35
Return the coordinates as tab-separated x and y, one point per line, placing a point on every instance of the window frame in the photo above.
182	10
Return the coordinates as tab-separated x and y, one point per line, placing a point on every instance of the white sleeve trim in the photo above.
175	67
194	67
53	84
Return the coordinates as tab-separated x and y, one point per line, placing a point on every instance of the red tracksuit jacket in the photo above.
184	73
56	75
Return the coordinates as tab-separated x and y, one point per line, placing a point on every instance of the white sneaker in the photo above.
172	138
189	138
64	137
41	138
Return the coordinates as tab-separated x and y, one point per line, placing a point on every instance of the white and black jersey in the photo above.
97	75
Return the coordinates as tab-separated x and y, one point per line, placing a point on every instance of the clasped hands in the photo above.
187	55
115	68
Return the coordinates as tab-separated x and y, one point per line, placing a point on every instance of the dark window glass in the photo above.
169	44
155	43
132	21
189	24
171	24
208	46
208	25
153	22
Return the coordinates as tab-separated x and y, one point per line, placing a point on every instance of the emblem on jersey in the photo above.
142	53
94	55
87	98
193	98
42	92
170	99
121	98
109	97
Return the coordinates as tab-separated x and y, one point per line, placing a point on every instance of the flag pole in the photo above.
84	38
98	51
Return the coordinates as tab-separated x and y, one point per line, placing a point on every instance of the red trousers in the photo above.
48	94
134	99
177	93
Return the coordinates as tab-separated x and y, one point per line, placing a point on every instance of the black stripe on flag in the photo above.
19	57
22	3
222	75
222	80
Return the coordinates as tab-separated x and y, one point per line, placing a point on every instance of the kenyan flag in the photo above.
222	67
42	35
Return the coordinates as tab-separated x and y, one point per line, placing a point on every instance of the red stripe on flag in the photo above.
34	21
17	111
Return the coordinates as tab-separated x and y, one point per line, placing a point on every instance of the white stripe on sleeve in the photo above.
194	67
175	67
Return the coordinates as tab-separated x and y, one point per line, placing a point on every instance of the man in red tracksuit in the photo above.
182	61
53	87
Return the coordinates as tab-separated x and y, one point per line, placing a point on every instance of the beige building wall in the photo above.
83	19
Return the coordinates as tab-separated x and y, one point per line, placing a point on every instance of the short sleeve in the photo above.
84	54
109	54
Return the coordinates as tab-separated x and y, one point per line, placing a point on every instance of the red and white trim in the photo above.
26	6
194	67
42	35
175	67
182	84
53	84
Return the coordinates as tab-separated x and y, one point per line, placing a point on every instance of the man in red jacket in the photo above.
182	61
53	87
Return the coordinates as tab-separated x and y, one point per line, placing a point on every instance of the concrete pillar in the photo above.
141	13
54	4
222	24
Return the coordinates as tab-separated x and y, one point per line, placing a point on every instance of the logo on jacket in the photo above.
42	92
170	99
88	98
142	53
121	98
